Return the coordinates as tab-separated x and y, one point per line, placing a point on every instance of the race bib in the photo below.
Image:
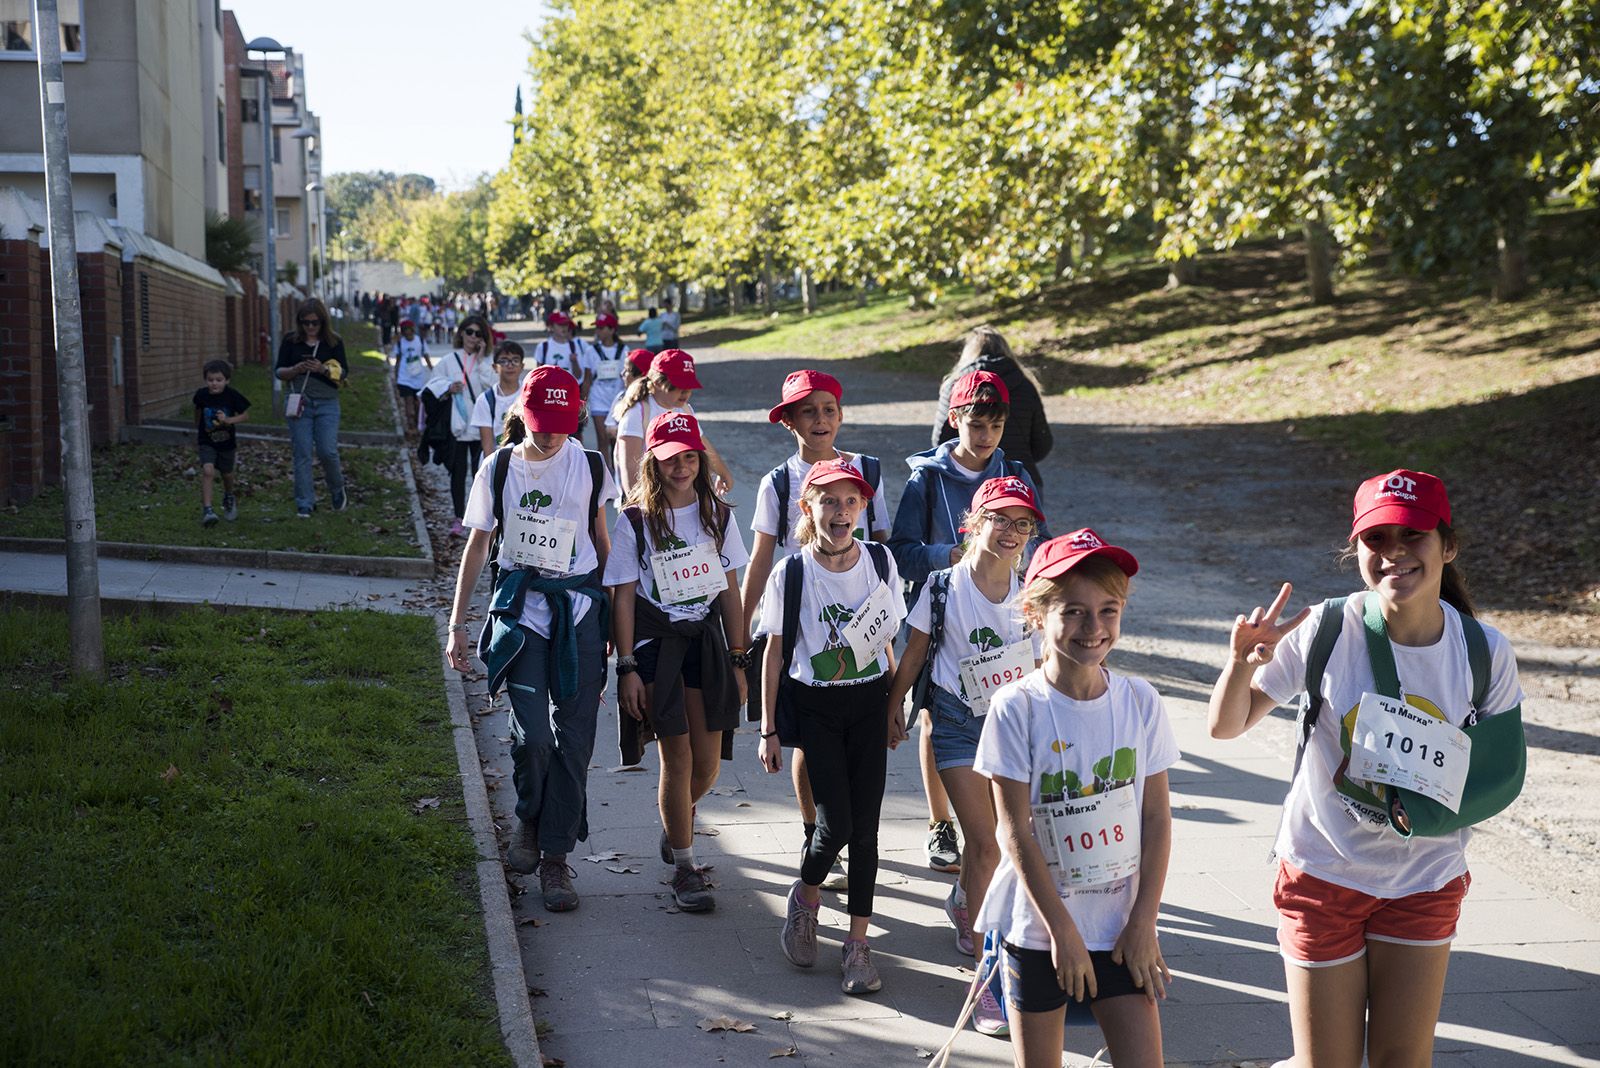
609	370
541	541
1089	840
872	626
684	575
984	673
1399	745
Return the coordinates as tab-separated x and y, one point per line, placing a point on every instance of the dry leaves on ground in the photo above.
422	804
726	1023
783	1051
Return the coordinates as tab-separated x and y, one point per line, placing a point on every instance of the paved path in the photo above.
626	982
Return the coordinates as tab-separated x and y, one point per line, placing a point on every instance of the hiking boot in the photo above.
799	936
208	518
943	852
230	507
860	976
988	1017
960	920
522	856
555	881
690	892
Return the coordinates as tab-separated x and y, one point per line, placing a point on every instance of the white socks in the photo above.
683	858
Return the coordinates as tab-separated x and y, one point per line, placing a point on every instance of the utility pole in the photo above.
77	473
269	212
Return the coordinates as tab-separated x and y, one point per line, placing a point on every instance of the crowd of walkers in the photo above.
961	614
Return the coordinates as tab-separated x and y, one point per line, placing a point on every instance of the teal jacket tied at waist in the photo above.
502	638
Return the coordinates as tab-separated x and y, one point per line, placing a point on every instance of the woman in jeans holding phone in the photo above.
312	365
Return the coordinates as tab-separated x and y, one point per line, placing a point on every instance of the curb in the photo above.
419	521
173	432
500	928
271	559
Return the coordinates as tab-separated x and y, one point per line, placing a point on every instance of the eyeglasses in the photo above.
472	331
1002	524
310	322
509	361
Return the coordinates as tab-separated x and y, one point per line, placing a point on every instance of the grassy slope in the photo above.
150	494
214	858
1497	399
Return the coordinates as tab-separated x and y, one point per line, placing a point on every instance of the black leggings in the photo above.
464	456
844	731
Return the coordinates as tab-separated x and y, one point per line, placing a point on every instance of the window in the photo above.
16	27
249	109
283	224
277	146
222	132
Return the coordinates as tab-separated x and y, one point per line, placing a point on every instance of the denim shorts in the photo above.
955	730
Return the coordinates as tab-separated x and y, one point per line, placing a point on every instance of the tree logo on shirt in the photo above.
1368	801
837	661
533	500
1110	772
984	638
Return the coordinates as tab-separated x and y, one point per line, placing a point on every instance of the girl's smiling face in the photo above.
1082	622
1008	543
1402	563
680	471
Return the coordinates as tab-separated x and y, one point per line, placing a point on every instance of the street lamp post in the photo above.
315	188
305	135
269	205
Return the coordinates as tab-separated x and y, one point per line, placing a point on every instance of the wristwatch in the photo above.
627	665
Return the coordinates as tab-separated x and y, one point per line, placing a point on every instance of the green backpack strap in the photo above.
1329	623
1478	661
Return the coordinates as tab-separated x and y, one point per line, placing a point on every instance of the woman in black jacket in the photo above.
1027	435
312	366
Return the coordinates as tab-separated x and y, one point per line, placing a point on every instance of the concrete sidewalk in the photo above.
626	982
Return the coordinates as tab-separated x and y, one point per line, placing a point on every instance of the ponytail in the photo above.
514	429
1452	583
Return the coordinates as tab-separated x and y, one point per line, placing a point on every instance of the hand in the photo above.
955	556
1139	950
1074	969
457	650
897	727
720	486
743	684
1255	637
771	754
631	695
455	387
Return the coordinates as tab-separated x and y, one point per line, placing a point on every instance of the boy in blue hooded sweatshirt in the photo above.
926	537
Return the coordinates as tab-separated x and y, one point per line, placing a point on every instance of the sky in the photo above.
406	85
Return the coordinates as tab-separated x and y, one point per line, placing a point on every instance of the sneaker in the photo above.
456	529
666	848
860	976
555	882
522	856
944	854
988	1018
960	920
690	892
208	518
230	507
799	936
302	513
341	501
837	878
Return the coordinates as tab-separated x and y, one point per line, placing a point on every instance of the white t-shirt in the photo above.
1335	827
605	391
560	487
1114	742
478	374
828	600
490	411
624	564
671	323
636	419
972	624
413	370
766	517
564	354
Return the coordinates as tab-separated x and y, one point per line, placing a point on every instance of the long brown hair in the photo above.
640	388
320	310
649	494
474	320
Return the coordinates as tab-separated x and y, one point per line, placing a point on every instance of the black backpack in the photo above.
871	470
938	598
502	468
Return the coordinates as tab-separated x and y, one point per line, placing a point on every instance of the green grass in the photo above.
364	403
150	494
214	858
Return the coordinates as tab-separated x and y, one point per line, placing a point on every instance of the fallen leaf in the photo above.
621	870
924	1053
171	772
629	767
493	773
784	1015
725	1023
422	804
742	804
597	858
553	1062
537	992
709	832
530	921
783	1051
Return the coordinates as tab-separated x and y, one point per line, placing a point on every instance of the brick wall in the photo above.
172	324
22	321
100	283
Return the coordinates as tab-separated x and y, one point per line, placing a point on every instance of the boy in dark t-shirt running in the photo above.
218	408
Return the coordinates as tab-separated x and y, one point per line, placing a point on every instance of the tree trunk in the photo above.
1064	257
861	295
767	293
1319	259
1183	272
1511	268
808	290
735	296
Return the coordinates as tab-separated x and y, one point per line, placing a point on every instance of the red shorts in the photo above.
1322	924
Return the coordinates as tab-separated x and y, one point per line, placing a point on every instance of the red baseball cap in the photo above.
1059	555
558	318
678	366
800	385
967	386
1007	492
407	322
550	401
1413	498
605	320
671	433
825	472
640	358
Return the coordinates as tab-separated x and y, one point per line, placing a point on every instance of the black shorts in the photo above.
648	653
221	459
405	391
1031	985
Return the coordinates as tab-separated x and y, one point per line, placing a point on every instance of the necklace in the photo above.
835	552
